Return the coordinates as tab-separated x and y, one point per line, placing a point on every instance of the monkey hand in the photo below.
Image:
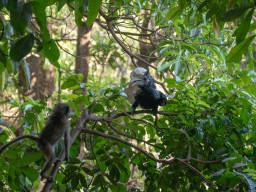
48	178
132	110
67	158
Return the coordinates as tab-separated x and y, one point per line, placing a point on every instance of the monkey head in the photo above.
62	109
141	76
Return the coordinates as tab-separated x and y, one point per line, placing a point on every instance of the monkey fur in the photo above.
148	97
56	126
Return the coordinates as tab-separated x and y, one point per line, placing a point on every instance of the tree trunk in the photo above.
82	65
83	52
41	80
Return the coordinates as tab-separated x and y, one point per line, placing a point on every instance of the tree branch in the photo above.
163	161
86	117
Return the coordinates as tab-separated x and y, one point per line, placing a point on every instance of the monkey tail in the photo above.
31	137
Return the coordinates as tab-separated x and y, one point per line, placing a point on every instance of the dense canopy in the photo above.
202	56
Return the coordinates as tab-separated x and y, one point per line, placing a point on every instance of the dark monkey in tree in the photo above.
148	97
56	126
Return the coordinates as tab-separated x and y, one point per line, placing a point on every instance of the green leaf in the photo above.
60	4
39	11
251	183
82	180
29	158
118	187
114	174
8	31
95	108
51	52
166	65
178	66
241	31
75	182
72	82
174	13
22	47
3	80
3	3
252	27
233	14
26	70
235	54
79	12
93	10
31	173
68	177
21	16
202	103
3	60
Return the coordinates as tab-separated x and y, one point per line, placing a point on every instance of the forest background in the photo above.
203	57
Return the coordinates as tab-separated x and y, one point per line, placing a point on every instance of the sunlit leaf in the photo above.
174	13
93	9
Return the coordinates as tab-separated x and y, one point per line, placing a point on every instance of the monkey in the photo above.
55	127
148	97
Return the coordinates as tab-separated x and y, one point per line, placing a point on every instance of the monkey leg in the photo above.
50	159
155	111
134	106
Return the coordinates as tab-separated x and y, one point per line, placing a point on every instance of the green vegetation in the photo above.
203	56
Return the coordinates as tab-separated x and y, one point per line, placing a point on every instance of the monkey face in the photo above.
63	109
142	77
137	76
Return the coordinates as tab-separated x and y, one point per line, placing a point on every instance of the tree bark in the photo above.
41	80
82	65
83	50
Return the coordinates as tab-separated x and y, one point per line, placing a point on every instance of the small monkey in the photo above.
56	126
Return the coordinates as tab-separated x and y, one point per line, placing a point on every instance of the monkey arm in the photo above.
135	105
31	137
151	92
67	143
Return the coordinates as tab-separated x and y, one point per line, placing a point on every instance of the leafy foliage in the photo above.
203	139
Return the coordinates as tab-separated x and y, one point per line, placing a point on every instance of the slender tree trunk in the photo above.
83	52
82	65
146	50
